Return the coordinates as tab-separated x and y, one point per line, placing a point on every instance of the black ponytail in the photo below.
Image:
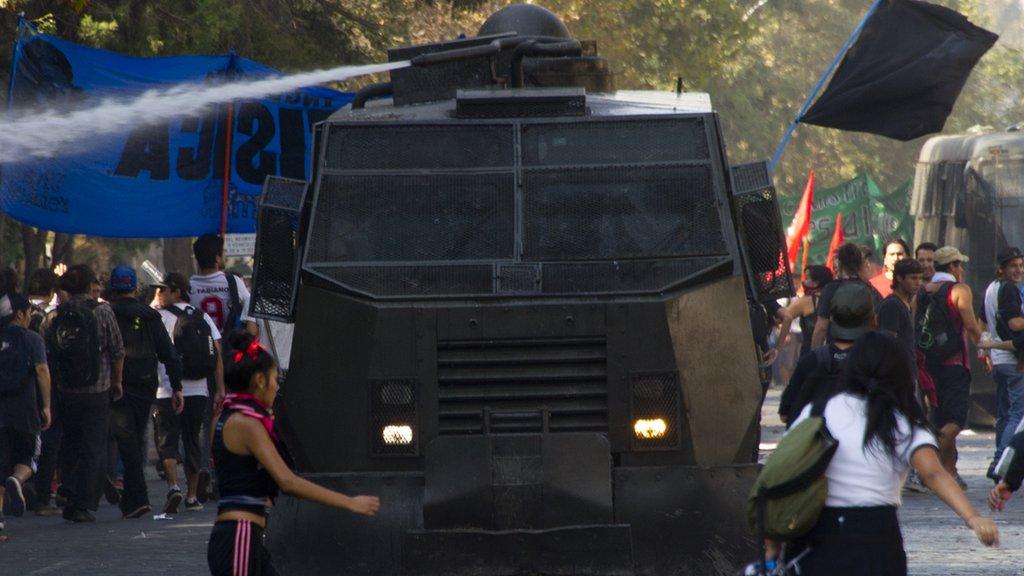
878	368
245	358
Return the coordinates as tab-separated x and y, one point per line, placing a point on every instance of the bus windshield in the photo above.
1004	182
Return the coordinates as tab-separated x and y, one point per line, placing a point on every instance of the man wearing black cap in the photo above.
852	314
201	359
146	345
1005	322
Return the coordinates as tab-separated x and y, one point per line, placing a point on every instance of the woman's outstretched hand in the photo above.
365	505
985	529
999	496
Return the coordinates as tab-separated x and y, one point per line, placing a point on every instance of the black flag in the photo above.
903	74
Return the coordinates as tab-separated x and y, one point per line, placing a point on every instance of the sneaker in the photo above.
193	505
110	492
77	516
991	473
138	512
47	510
13	486
203	486
174	498
915	485
961	483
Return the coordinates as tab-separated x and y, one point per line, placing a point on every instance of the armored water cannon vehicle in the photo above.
521	318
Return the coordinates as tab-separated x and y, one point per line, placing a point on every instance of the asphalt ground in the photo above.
110	546
936	540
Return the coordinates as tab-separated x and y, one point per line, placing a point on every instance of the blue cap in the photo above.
123	278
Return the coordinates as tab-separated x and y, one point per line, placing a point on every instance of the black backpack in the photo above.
234	315
936	336
15	363
194	341
73	339
140	361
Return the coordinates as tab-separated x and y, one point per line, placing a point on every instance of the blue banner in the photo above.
160	179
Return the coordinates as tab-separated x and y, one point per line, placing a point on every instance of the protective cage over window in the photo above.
605	205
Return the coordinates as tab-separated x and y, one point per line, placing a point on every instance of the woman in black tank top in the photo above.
252	465
804	309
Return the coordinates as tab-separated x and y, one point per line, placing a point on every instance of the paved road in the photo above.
936	541
110	546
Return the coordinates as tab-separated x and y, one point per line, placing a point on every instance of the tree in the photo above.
757	58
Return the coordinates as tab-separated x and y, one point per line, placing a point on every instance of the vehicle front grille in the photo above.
516	381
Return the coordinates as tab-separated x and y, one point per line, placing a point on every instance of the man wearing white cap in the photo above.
945	320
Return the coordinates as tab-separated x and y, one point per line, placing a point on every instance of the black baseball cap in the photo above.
1009	254
851	311
173	281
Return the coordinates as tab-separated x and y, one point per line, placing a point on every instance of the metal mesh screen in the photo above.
760	224
395	428
404	218
283	193
751	177
625	276
275	274
518	278
419	147
655	398
441	209
413	280
620	212
625	142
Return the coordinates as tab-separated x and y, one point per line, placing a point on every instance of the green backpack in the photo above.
790	491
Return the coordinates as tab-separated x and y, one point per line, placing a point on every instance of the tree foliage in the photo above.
757	58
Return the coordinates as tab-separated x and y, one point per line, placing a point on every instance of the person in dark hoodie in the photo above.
852	314
146	345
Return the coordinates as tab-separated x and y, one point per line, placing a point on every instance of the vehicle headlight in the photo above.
650	428
397	435
393	421
656	411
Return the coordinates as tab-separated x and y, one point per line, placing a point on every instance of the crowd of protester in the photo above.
87	365
883	351
885	360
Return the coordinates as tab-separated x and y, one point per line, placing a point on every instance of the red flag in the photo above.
837	241
801	224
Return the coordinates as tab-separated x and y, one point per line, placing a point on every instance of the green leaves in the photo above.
757	58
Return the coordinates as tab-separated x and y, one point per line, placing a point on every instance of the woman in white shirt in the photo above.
882	432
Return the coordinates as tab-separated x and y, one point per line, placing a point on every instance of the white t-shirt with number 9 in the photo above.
210	293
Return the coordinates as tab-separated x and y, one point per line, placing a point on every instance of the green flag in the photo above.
869	216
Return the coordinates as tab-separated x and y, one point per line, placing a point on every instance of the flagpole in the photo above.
803	264
15	59
227	171
821	83
230	69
